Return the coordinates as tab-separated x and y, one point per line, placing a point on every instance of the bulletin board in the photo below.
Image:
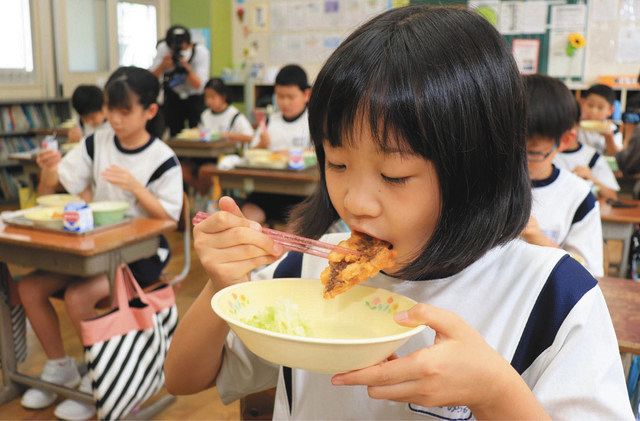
611	29
267	34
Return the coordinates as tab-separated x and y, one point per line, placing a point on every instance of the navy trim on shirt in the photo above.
594	159
163	168
568	282
89	144
132	151
546	181
291	120
585	207
573	150
289	267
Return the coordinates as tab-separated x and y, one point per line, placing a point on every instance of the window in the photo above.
16	54
87	35
136	34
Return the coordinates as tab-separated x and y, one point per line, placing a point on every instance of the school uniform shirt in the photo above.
154	165
568	213
587	156
536	306
88	129
596	140
229	120
286	134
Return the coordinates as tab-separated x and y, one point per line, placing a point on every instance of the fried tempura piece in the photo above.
346	270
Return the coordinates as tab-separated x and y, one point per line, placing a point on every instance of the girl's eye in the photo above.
333	166
395	180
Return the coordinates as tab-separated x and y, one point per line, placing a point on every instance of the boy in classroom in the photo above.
587	163
88	102
564	213
283	130
126	162
221	117
596	104
509	322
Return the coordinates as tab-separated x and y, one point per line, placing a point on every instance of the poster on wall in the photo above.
526	53
258	18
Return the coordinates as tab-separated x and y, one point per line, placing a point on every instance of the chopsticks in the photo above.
293	242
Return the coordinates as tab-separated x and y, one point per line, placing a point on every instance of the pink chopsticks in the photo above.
292	242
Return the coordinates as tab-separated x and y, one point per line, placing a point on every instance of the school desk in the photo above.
79	255
617	224
623	300
197	149
299	183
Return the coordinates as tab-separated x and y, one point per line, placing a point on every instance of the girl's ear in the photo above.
151	111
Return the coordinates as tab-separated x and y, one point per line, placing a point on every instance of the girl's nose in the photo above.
360	201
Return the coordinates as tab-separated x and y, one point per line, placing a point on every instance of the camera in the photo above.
176	37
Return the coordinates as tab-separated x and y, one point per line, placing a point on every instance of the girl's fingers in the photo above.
223	220
444	322
393	371
229	205
242	235
400	392
240	253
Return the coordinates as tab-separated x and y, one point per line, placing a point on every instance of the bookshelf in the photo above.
22	124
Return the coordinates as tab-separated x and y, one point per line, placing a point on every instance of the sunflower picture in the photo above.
575	41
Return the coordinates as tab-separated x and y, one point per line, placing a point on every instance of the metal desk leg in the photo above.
9	389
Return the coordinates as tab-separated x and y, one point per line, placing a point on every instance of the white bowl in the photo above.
57	200
352	331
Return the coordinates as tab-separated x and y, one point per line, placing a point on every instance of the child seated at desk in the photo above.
564	212
588	164
126	162
220	117
284	130
597	104
88	102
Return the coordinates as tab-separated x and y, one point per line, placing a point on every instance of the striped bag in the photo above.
125	349
18	317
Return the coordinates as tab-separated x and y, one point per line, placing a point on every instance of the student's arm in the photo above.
610	147
584	239
238	137
48	162
459	369
229	247
241	130
604	189
532	234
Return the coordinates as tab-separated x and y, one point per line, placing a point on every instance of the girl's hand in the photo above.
230	246
459	369
48	159
122	178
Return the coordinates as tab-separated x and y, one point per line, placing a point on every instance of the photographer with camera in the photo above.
183	67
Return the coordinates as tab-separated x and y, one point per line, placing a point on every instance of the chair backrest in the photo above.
184	225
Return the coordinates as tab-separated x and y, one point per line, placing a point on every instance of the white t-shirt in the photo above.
534	305
569	214
229	120
154	165
596	140
587	156
285	134
88	129
200	64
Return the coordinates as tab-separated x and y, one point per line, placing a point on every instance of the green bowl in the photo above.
108	212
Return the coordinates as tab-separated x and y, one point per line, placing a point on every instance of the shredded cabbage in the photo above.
282	317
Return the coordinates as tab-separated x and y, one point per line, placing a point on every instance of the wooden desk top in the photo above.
89	244
623	299
308	175
621	215
196	144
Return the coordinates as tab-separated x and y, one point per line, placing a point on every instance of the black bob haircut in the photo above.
551	108
176	35
218	85
131	84
602	90
292	75
442	83
87	99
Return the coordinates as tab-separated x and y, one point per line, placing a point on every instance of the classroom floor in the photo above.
202	406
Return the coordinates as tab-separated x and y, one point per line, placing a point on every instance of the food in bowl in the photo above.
57	200
282	317
46	217
346	270
352	331
108	212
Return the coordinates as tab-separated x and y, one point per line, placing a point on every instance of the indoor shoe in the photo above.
63	372
74	410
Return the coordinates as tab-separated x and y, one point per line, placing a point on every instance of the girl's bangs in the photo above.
118	95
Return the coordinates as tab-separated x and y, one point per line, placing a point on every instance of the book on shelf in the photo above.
8	186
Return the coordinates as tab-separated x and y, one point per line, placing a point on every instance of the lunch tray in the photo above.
20	221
